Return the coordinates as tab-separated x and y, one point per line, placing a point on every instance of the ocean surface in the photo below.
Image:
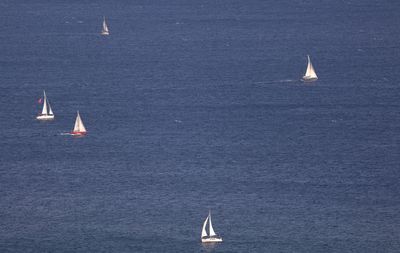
193	106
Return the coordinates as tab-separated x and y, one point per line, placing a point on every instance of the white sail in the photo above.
204	232
79	127
310	73
44	110
212	233
47	112
212	236
50	110
105	30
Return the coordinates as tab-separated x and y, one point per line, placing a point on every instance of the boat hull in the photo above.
211	239
105	33
309	79
45	117
78	133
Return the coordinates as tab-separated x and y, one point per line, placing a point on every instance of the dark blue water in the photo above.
197	105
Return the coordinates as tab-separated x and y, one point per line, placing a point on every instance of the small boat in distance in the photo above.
105	30
79	127
211	236
47	113
310	75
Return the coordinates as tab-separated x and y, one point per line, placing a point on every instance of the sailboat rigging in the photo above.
211	236
104	30
310	75
47	112
79	127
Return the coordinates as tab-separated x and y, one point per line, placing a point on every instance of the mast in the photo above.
44	110
105	28
212	233
79	127
310	69
77	120
50	110
203	231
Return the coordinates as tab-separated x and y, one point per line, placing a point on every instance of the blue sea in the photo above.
193	106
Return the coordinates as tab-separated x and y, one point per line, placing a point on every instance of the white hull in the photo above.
309	79
105	33
212	239
45	117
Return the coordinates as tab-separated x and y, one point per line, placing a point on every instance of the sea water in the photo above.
193	106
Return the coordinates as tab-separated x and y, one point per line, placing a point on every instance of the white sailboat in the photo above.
105	30
211	236
310	74
47	112
79	127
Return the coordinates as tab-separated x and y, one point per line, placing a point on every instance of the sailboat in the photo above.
211	236
79	127
310	75
47	112
105	30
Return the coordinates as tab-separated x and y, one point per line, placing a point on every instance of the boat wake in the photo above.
277	81
66	134
72	134
287	81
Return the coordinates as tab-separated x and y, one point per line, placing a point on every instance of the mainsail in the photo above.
310	73
50	110
212	233
204	232
46	110
211	229
79	127
105	30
